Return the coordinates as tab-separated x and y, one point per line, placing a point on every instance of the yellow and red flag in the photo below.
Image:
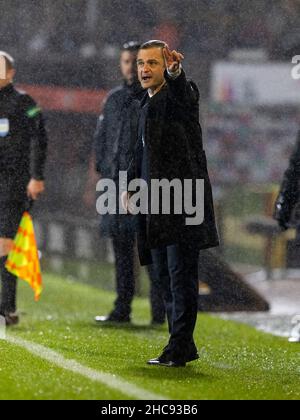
23	259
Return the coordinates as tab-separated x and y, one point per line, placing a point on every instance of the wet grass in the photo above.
237	362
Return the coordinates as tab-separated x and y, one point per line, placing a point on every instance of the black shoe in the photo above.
161	361
112	319
192	357
167	359
11	318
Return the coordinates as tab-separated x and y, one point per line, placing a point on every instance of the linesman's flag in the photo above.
23	259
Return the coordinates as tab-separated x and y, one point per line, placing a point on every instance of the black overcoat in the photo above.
173	137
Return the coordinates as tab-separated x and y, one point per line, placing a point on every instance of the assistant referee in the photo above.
23	149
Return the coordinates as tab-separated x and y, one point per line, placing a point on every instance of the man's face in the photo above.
8	78
128	65
151	67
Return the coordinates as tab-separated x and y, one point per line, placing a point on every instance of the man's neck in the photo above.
5	86
152	92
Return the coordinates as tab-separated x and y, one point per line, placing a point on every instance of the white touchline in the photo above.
110	380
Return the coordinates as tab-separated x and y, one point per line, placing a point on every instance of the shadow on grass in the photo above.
160	373
129	327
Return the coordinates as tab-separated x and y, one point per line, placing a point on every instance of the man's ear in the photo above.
163	57
11	74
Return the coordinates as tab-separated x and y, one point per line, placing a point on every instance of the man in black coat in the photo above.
289	195
114	141
23	147
170	148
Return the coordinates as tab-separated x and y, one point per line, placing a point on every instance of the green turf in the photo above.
237	362
23	376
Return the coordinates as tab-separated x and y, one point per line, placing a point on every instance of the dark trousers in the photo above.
10	217
124	250
177	267
8	291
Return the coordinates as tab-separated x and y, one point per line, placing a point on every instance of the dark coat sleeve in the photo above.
134	168
100	140
184	91
289	191
38	136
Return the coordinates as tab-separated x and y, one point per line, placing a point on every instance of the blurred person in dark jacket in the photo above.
23	148
114	141
289	195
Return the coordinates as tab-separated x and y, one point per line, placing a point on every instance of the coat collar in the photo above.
158	97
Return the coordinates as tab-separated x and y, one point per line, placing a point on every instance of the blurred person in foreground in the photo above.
114	142
23	148
170	148
289	195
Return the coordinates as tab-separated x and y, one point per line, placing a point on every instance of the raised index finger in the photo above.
178	56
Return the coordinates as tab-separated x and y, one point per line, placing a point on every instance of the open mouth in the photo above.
146	78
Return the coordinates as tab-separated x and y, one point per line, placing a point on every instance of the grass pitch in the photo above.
236	362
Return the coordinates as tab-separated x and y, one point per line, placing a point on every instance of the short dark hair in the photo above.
9	61
131	46
154	43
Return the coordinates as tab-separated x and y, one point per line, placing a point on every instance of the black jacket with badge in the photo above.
23	144
173	138
115	139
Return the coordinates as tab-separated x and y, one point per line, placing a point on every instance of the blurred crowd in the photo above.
93	28
249	146
56	35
